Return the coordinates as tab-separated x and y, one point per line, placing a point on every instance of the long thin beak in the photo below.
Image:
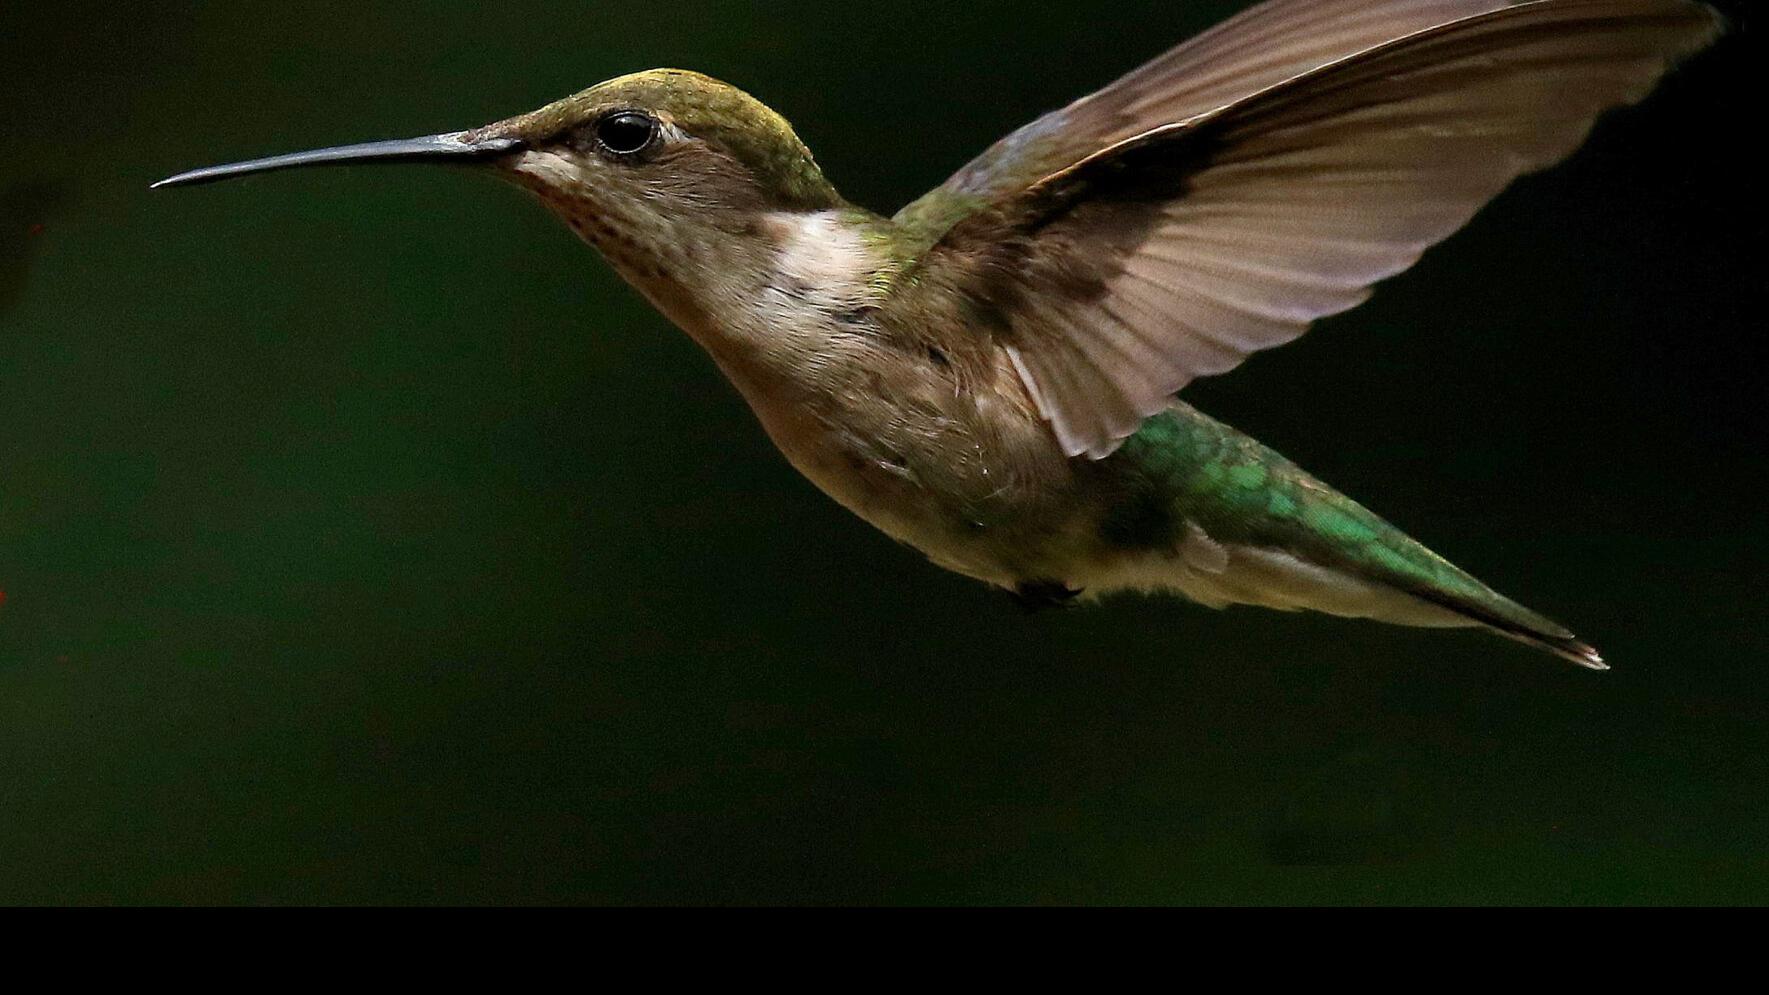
429	147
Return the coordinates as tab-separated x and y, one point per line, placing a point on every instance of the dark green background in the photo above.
365	540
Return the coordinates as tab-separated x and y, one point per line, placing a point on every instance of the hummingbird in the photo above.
992	374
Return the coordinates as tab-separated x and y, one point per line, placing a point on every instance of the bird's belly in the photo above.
960	504
884	491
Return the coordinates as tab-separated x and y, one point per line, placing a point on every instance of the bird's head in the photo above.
663	170
658	163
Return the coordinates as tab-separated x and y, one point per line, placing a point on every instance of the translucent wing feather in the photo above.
1256	49
1175	251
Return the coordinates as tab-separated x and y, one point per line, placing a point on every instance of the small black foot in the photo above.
1034	596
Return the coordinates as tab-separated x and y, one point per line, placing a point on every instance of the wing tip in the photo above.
1707	25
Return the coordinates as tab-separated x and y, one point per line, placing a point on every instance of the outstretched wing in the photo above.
1220	199
1250	52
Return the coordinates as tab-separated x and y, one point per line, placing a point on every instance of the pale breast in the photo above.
941	452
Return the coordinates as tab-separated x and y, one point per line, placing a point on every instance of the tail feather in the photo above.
1262	531
1522	625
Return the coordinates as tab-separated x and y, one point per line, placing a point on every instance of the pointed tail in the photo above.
1513	621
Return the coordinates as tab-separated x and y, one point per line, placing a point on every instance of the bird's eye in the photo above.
626	132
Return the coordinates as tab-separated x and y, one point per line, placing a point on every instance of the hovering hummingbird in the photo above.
990	375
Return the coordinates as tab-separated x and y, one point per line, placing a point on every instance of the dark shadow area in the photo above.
27	210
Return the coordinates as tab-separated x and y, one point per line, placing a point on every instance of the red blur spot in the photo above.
2	596
36	229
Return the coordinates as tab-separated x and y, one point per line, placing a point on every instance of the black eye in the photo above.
626	132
